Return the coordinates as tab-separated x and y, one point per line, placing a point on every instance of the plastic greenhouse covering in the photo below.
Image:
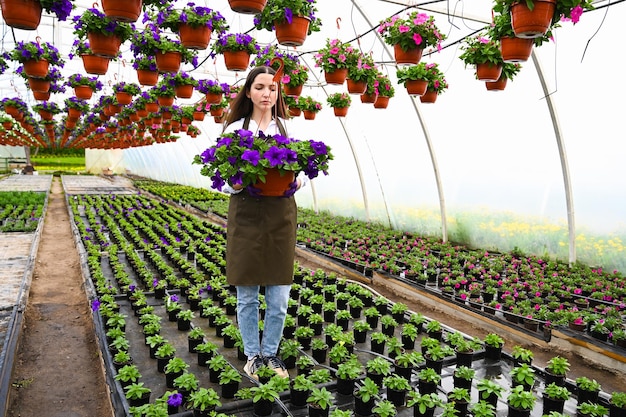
538	166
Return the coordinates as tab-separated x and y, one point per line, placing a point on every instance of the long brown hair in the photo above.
241	106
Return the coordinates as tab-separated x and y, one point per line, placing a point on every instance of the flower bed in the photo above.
155	258
20	211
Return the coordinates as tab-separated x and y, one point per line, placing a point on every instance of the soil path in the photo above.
58	371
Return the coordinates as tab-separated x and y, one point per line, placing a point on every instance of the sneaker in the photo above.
275	363
252	366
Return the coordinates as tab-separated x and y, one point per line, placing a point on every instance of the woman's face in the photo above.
263	92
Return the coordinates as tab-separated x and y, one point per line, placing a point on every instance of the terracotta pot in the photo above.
293	91
533	23
152	107
236	60
41	96
247	6
496	85
198	116
184	91
275	184
165	101
168	62
309	115
45	115
37	84
294	111
294	33
194	37
21	14
122	10
515	49
381	102
337	76
340	111
214	98
356	87
368	98
147	77
73	114
429	97
96	65
83	92
36	69
103	45
123	98
416	87
412	56
488	72
216	112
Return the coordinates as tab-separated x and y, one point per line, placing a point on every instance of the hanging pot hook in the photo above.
279	72
38	40
337	21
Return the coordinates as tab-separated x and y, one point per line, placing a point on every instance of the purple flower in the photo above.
175	400
252	156
95	305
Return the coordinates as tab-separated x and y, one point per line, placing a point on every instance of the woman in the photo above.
261	231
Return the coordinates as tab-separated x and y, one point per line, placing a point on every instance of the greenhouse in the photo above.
445	262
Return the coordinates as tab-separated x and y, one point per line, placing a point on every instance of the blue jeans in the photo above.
276	298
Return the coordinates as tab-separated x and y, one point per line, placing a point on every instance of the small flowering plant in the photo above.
49	106
362	68
76	80
76	103
79	47
416	30
93	20
510	70
339	100
243	158
166	87
27	51
213	86
124	87
4	65
294	72
383	86
281	11
429	72
310	104
564	10
194	16
335	55
234	42
152	40
56	79
480	50
61	8
184	78
145	62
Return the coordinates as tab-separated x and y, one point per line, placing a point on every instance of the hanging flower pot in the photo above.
216	111
381	102
293	91
498	85
103	45
73	114
198	116
213	98
22	14
45	114
516	49
340	111
184	91
236	60
165	101
276	183
356	87
247	6
416	87
533	23
147	77
409	57
152	107
194	37
337	76
38	84
83	92
295	111
168	61
368	98
41	96
123	98
122	10
488	71
309	115
36	68
429	97
294	33
95	65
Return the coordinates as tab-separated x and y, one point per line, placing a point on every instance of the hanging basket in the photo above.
410	57
488	72
514	49
416	87
83	92
236	60
147	77
247	6
122	10
123	98
38	84
45	114
197	37
184	91
21	14
294	33
36	69
168	61
95	65
340	111
309	115
293	91
337	76
498	85
103	45
41	96
356	87
276	183
533	23
429	97
214	98
381	102
368	98
165	101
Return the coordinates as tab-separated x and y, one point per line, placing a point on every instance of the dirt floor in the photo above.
58	371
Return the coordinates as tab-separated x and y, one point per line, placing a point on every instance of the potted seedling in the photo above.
423	404
461	398
522	355
319	349
347	373
186	383
137	394
588	389
463	376
524	376
128	374
319	402
173	369
289	352
300	388
428	380
556	369
360	329
304	364
204	400
489	391
493	346
229	381
554	397
521	401
591	410
483	409
385	408
263	398
365	396
377	369
378	342
397	387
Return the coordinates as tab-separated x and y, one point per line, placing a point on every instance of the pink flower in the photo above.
417	38
342	58
576	13
285	79
334	51
403	28
421	18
